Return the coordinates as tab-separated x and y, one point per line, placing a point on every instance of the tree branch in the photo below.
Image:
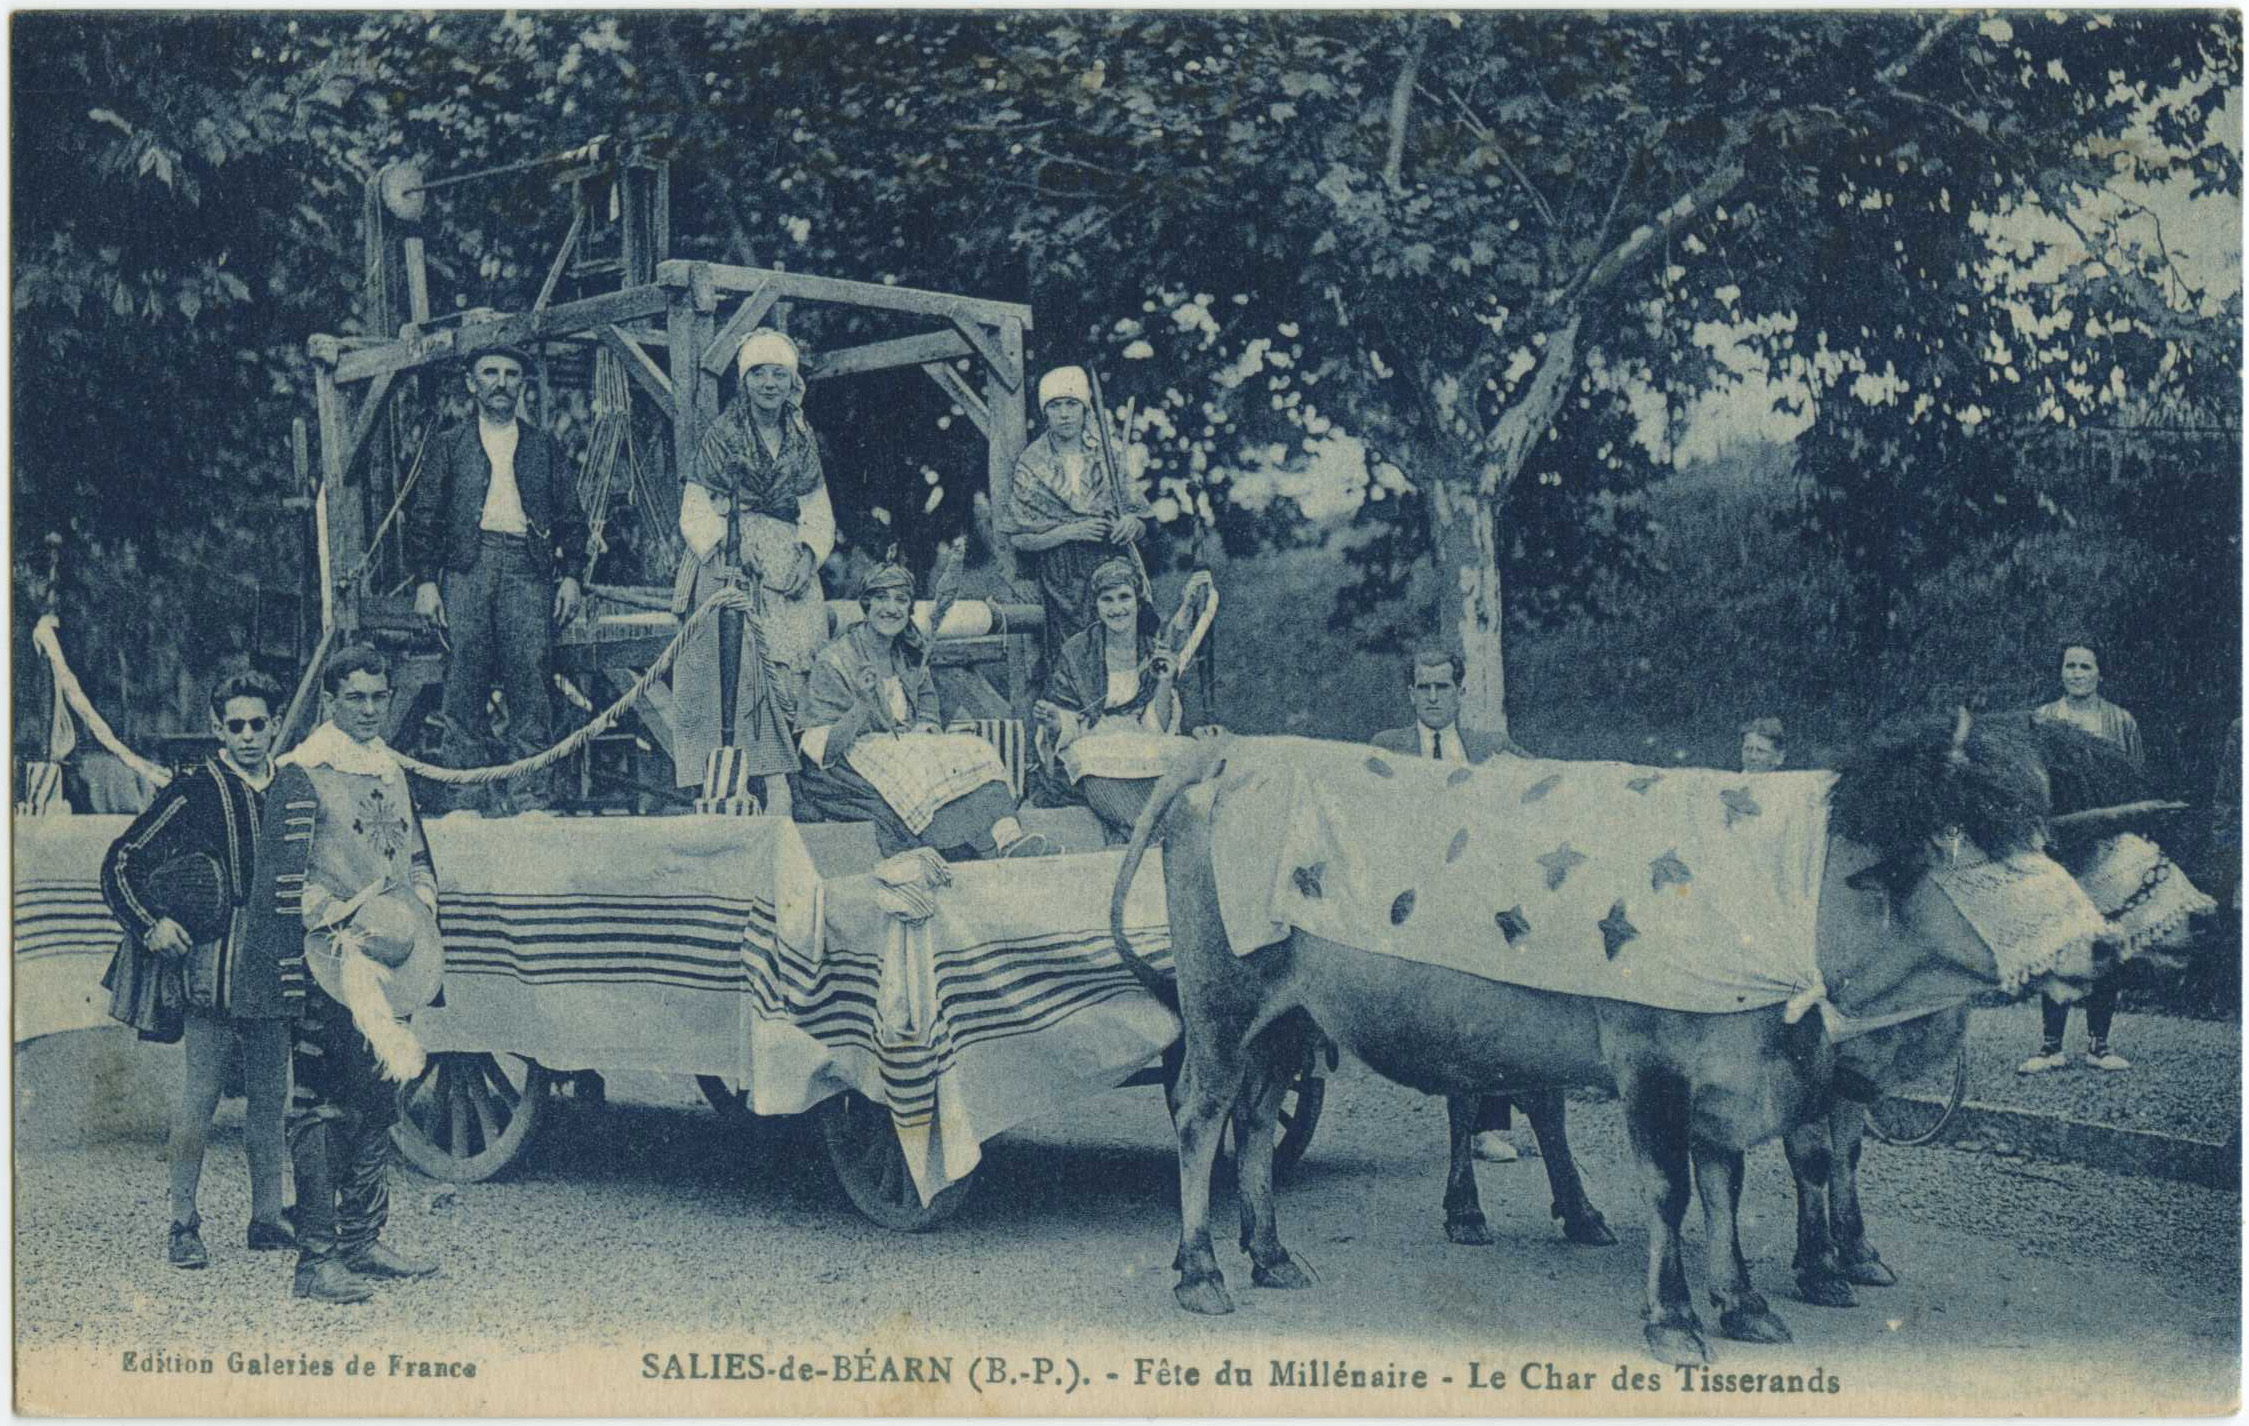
1725	179
1485	132
1401	105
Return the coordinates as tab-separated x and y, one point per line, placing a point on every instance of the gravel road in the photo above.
649	1224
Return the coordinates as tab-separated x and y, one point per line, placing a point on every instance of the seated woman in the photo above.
875	750
1111	706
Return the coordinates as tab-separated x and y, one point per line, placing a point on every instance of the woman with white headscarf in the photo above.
755	513
1070	512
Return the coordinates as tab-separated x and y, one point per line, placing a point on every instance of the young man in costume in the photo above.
347	905
212	811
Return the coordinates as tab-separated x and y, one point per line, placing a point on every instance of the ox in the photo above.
1697	1089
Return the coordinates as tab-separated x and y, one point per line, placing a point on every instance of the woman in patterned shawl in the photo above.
1111	709
1066	516
874	749
758	526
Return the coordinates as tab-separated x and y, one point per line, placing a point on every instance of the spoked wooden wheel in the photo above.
863	1149
1300	1114
1920	1114
470	1114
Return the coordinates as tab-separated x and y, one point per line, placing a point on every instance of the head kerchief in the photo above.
890	575
765	347
1065	381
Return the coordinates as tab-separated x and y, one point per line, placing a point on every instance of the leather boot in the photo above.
328	1280
381	1260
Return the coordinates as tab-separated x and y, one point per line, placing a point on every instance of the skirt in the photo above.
840	794
766	692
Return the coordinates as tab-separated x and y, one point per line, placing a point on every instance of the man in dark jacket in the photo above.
1433	676
491	524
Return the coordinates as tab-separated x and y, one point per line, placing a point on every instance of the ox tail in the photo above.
1206	758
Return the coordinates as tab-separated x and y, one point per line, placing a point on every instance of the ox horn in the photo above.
2105	821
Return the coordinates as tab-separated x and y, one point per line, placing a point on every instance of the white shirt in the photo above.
257	784
503	503
1434	744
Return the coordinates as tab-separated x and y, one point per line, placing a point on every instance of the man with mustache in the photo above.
492	522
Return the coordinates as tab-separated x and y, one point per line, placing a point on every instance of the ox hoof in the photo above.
1473	1232
1870	1271
1753	1321
1826	1289
1589	1231
1206	1296
1679	1345
1285	1273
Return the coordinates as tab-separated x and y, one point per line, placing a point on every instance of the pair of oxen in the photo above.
1697	1089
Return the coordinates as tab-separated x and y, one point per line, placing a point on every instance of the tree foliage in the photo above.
1481	245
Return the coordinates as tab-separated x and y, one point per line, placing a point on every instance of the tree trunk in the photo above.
1463	531
1464	525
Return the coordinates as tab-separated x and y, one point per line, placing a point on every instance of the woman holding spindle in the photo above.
1070	509
758	525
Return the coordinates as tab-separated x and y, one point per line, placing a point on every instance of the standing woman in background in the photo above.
758	524
1071	511
2081	706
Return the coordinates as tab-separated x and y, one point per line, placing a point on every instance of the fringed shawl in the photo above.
732	463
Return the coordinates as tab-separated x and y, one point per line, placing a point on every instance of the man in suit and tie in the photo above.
493	522
1433	676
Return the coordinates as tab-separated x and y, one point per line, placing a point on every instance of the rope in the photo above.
44	636
607	719
406	487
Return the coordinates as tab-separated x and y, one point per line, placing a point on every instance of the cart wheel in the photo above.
729	1102
1899	1119
470	1115
863	1150
1300	1115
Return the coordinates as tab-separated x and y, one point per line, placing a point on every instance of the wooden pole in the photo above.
1008	432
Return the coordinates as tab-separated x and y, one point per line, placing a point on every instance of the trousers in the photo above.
2100	1012
340	1117
498	611
205	1044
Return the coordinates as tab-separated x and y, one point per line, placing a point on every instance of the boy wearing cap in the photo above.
1069	513
346	905
492	522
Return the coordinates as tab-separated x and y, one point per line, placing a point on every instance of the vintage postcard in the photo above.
817	712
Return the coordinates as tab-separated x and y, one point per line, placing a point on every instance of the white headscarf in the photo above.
1065	382
766	347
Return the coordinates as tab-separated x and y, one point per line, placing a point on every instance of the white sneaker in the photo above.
2041	1063
2107	1060
1492	1147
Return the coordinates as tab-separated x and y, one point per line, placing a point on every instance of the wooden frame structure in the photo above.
675	326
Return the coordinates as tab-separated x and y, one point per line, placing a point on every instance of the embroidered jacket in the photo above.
208	808
329	833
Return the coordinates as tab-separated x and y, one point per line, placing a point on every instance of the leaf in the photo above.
111	117
1459	845
1402	907
1380	768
